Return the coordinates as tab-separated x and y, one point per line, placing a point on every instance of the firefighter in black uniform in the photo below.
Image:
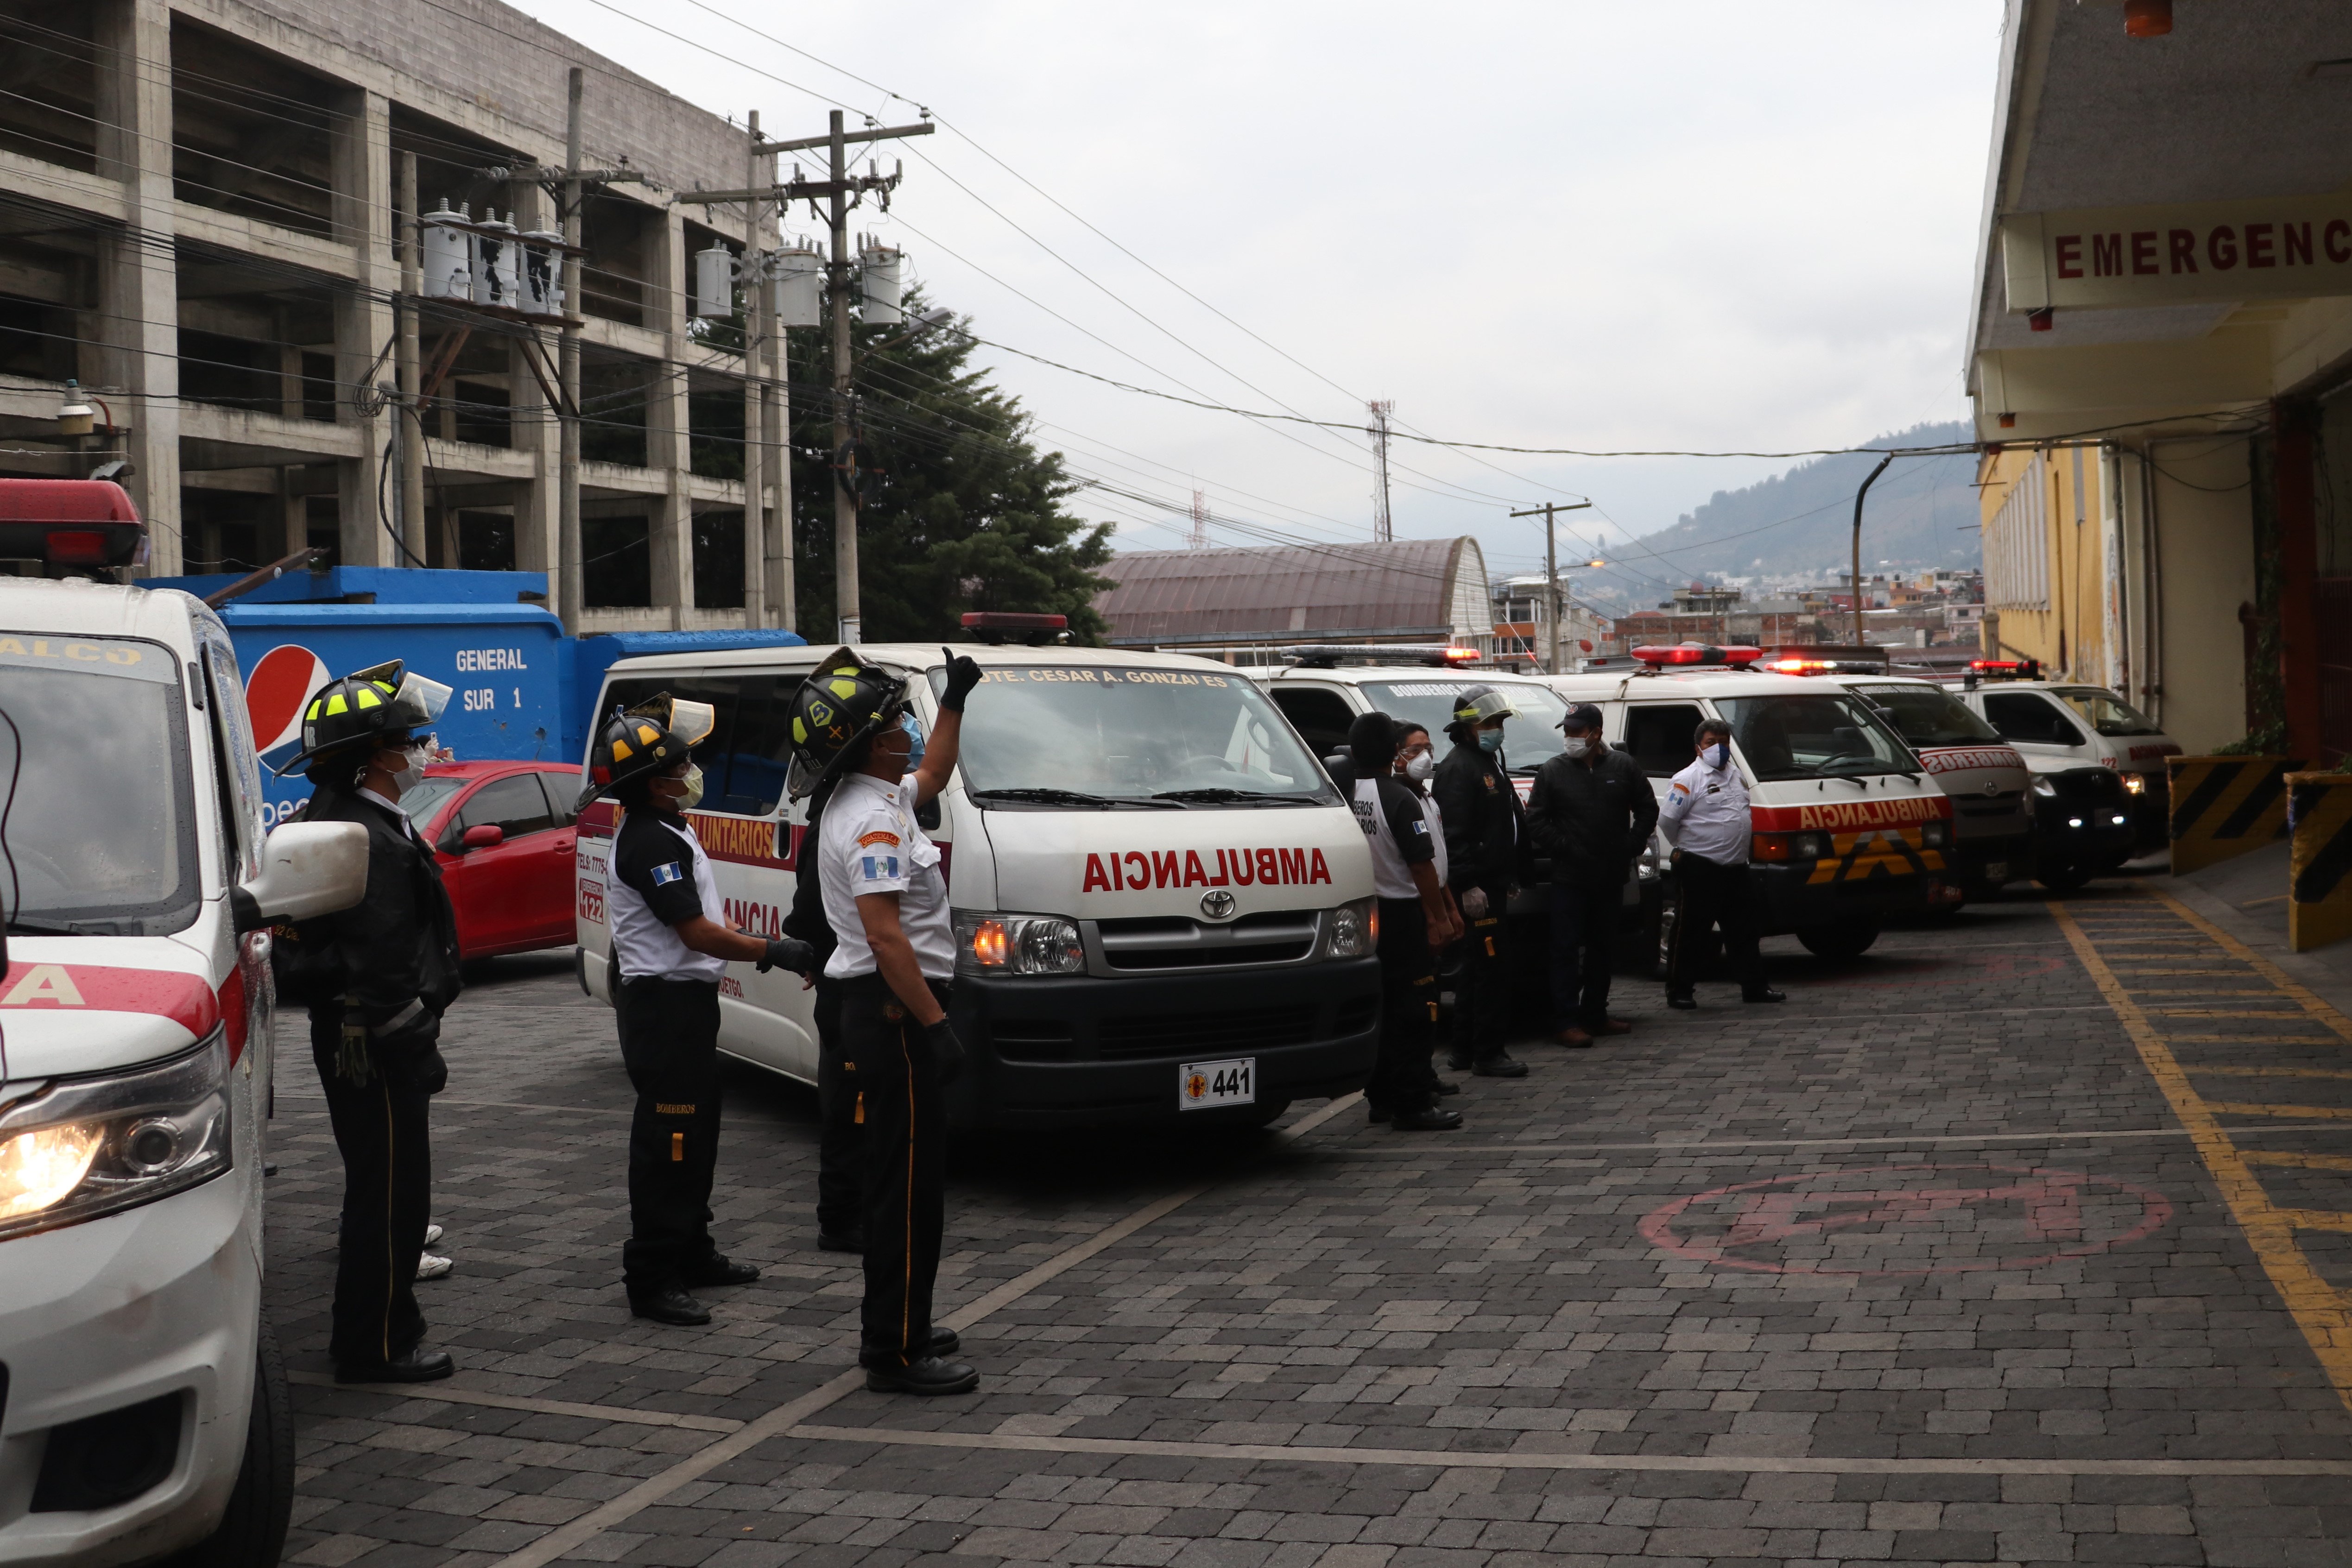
885	901
841	1135
668	956
377	977
1485	840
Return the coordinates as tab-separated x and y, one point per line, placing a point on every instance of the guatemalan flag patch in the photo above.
664	874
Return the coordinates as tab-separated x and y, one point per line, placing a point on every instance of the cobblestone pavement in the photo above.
1936	1263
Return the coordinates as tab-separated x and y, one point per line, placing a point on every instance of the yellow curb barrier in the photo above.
2224	806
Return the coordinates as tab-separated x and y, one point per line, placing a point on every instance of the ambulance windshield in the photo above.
100	833
1929	716
1530	735
1824	735
2106	713
1080	736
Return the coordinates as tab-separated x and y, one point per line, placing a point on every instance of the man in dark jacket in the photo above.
1485	842
377	977
1590	813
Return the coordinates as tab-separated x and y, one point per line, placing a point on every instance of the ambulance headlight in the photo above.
86	1146
991	943
2043	788
2134	783
1935	835
1352	931
1810	846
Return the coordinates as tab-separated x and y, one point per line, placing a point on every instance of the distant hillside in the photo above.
1921	513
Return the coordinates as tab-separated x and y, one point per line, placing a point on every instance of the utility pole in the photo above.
1858	495
1383	527
844	191
573	598
755	420
407	417
1549	510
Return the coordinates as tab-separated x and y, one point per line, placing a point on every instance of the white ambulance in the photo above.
1991	790
1163	909
1850	828
142	1405
2061	726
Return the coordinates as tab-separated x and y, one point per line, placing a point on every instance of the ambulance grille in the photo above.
1182	1034
1280	936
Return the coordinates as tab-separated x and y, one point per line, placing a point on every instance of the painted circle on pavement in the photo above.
1908	1219
282	680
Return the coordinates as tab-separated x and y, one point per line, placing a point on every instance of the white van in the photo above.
142	1405
2060	726
1163	906
1851	829
1991	790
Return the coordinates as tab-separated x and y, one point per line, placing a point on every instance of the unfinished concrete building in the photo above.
199	221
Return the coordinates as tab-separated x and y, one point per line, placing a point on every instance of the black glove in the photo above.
787	953
947	1050
963	673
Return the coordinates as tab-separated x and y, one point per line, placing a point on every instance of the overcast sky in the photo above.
1712	225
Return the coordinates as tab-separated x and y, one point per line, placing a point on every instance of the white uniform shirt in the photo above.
870	841
1398	829
1706	812
653	862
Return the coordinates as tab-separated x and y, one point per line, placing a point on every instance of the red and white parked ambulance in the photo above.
142	1407
1163	905
1851	828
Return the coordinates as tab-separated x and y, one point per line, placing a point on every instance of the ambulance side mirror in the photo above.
308	869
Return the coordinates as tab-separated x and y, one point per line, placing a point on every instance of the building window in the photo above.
2017	547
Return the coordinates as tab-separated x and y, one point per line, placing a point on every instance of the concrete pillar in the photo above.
363	321
138	293
671	521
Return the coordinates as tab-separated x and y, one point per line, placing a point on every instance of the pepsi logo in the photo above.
281	682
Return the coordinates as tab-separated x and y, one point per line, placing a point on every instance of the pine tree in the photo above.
964	513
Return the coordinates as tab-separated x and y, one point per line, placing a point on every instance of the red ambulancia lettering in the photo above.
1318	871
1242	865
1268	867
1138	868
1294	866
1195	874
1167	868
1096	877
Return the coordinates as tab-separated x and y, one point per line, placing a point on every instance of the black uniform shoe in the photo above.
1430	1121
1376	1110
670	1304
1502	1064
1764	994
944	1341
718	1270
929	1374
1685	1002
827	1241
1457	1062
417	1365
1447	1086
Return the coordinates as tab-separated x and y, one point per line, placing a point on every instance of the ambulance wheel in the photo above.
1846	941
252	1533
2062	878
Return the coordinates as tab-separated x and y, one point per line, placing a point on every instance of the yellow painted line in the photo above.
2320	1011
2154	974
2197	990
2224	1012
2314	1304
2246	1039
2272	1072
2308	1162
2316	1219
2236	1108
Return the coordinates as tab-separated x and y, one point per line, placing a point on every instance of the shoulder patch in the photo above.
664	874
867	841
1681	788
1421	826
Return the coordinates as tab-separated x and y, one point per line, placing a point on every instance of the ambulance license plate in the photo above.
1997	872
1201	1084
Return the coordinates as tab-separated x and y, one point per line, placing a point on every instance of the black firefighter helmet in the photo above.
370	705
653	737
841	704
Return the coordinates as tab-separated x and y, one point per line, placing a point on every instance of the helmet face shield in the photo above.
1479	704
692	722
418	702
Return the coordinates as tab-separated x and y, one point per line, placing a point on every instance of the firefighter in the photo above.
841	1136
1416	914
669	954
377	978
1416	764
1484	842
1592	811
1705	819
885	901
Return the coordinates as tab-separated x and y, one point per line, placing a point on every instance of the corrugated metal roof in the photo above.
1408	587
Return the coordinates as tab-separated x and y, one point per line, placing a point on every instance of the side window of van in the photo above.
712	755
2032	718
1658	736
235	767
1320	716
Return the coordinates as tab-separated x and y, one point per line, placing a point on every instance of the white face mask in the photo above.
1422	768
692	779
413	759
1576	745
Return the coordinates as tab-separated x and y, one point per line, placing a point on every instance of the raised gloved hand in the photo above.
963	673
947	1050
787	953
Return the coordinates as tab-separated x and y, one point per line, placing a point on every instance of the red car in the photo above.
502	832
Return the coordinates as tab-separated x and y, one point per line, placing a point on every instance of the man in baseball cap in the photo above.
1590	813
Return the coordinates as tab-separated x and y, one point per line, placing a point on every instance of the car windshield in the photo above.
1824	735
1929	716
1073	736
430	794
1530	737
101	829
2106	712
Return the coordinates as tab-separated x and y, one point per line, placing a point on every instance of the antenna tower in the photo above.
1382	528
1200	520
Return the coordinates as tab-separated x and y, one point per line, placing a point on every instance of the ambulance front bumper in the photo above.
1082	1051
1787	900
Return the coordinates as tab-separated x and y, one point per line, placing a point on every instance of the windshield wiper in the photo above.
1223	795
1047	795
46	927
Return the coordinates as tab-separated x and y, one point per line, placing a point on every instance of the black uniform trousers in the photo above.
1708	893
841	1136
906	1168
381	1131
669	1044
1583	920
1403	1079
1482	996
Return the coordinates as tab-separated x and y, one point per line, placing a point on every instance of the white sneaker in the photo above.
432	1234
428	1267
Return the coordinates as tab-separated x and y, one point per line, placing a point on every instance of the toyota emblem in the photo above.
1992	787
1218	905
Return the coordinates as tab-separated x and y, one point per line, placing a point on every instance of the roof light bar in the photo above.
1684	653
2006	669
1326	655
999	626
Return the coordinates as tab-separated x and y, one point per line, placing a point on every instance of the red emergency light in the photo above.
998	626
2006	669
1698	653
1460	655
70	522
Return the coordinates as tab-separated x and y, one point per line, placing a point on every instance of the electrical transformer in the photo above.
878	269
796	293
542	273
448	255
714	279
495	270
